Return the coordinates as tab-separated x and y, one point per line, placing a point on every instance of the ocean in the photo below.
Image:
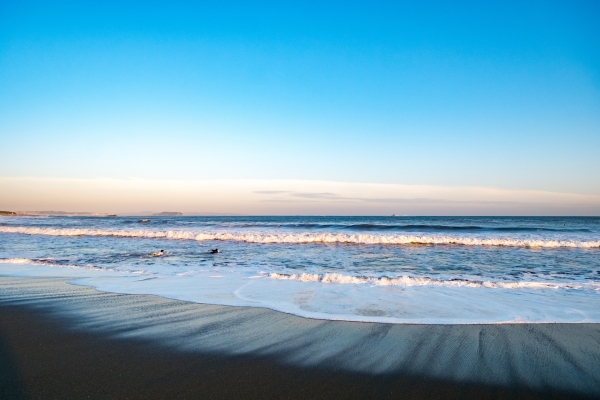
434	270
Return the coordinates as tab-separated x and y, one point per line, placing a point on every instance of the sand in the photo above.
60	340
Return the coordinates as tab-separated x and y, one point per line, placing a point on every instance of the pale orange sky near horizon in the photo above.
282	197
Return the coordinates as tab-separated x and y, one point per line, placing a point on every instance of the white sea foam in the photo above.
353	298
17	261
408	281
310	237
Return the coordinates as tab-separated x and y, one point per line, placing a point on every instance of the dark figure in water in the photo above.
215	251
160	253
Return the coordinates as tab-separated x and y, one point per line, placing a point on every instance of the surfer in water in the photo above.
214	251
158	254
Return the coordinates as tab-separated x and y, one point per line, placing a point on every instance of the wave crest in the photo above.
408	281
300	238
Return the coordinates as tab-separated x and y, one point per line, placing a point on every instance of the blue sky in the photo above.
503	95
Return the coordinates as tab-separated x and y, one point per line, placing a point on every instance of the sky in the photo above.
309	106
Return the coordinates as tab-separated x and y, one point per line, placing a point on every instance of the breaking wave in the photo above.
408	281
309	237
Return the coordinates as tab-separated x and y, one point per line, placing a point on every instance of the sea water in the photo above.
383	269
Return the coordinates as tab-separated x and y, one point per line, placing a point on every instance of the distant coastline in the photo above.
99	214
54	213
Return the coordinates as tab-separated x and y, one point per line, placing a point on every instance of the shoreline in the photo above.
470	306
511	360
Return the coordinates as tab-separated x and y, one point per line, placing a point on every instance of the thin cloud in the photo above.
318	195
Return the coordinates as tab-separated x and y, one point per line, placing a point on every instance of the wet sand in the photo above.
59	340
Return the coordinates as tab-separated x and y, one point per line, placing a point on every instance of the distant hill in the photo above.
168	214
5	213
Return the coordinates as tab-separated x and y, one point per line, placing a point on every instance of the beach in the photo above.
60	339
283	200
